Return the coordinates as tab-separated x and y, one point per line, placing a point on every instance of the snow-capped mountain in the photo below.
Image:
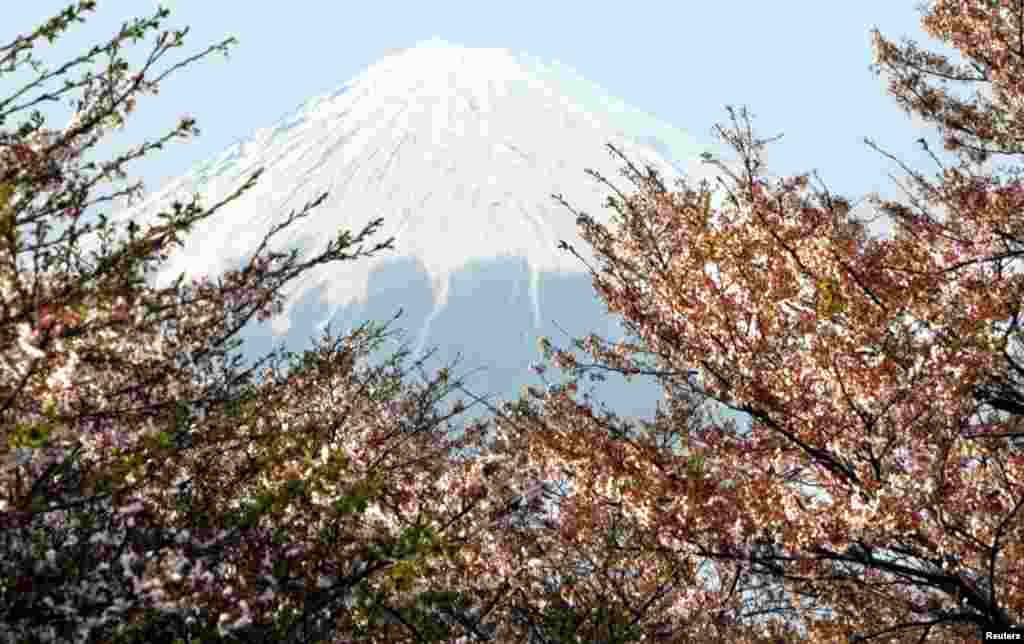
458	150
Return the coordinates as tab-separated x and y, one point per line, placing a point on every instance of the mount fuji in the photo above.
458	150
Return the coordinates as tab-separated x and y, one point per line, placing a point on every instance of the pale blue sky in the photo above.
801	66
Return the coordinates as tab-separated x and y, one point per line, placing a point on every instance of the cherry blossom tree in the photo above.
877	494
152	490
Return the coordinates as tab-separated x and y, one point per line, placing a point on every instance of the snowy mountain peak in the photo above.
436	42
457	148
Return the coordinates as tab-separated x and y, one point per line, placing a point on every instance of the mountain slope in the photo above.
458	150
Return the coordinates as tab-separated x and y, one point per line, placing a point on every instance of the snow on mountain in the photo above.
459	150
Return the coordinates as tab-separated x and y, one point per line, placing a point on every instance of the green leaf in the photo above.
295	487
343	505
280	568
33	435
6	192
355	503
